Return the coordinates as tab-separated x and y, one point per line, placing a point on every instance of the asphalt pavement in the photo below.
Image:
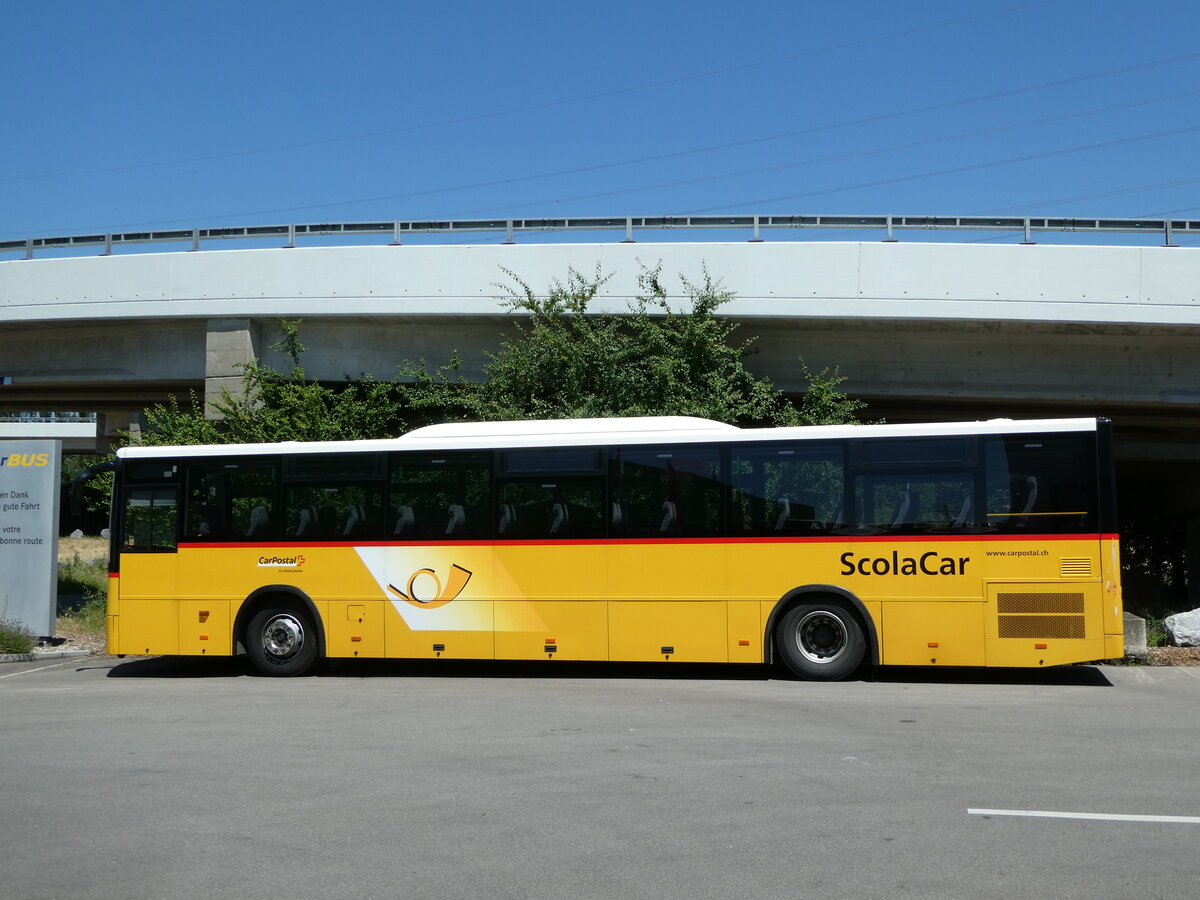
188	778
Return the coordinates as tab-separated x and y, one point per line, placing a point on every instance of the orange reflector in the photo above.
1040	646
743	643
355	638
551	641
932	644
204	637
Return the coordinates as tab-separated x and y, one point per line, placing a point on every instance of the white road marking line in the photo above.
1105	817
38	669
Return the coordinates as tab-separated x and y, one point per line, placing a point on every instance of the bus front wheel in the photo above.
281	642
820	641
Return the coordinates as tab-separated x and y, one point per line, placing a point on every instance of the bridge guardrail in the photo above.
755	225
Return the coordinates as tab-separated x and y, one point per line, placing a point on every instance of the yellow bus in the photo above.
667	538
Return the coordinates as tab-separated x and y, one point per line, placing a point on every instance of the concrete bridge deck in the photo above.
922	330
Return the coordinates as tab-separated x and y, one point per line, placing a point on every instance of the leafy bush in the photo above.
561	358
82	593
1156	632
87	617
85	577
15	637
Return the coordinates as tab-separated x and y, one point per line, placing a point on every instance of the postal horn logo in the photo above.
425	589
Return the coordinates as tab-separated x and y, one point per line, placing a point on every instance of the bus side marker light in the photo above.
743	643
551	641
933	643
439	648
355	638
1040	646
551	648
204	637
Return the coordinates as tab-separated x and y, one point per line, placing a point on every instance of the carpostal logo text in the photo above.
280	562
27	460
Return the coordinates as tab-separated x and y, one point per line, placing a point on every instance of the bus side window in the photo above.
554	506
442	497
151	519
1041	483
231	500
780	490
666	492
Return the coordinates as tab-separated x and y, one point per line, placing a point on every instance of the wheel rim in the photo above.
282	638
821	637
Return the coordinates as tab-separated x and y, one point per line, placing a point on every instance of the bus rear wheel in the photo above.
281	642
820	641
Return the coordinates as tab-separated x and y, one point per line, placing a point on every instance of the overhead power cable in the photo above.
409	195
845	156
956	170
535	107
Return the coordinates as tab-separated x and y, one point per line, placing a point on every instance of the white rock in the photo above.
1184	628
104	533
76	533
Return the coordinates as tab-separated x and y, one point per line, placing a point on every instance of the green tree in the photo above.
565	361
562	360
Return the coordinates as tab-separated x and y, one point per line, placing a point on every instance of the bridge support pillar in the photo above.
229	345
113	427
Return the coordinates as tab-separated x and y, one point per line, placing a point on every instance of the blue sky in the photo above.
155	115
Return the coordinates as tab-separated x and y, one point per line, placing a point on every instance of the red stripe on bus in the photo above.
651	541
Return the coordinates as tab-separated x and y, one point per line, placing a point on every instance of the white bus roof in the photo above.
608	432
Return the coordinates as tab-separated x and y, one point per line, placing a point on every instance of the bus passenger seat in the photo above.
963	519
668	520
1030	500
458	520
260	520
785	512
308	520
906	509
356	519
508	518
839	515
558	517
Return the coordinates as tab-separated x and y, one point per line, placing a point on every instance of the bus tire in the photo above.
281	642
820	641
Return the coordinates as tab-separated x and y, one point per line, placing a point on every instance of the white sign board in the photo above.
29	492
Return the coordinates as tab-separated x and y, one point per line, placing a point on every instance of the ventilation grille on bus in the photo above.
1040	615
1075	568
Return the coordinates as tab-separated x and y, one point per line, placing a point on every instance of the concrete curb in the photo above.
48	654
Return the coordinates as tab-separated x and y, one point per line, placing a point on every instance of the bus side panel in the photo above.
744	624
552	595
668	601
1114	610
437	602
205	628
575	628
149	627
112	621
1044	624
922	633
148	622
355	628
